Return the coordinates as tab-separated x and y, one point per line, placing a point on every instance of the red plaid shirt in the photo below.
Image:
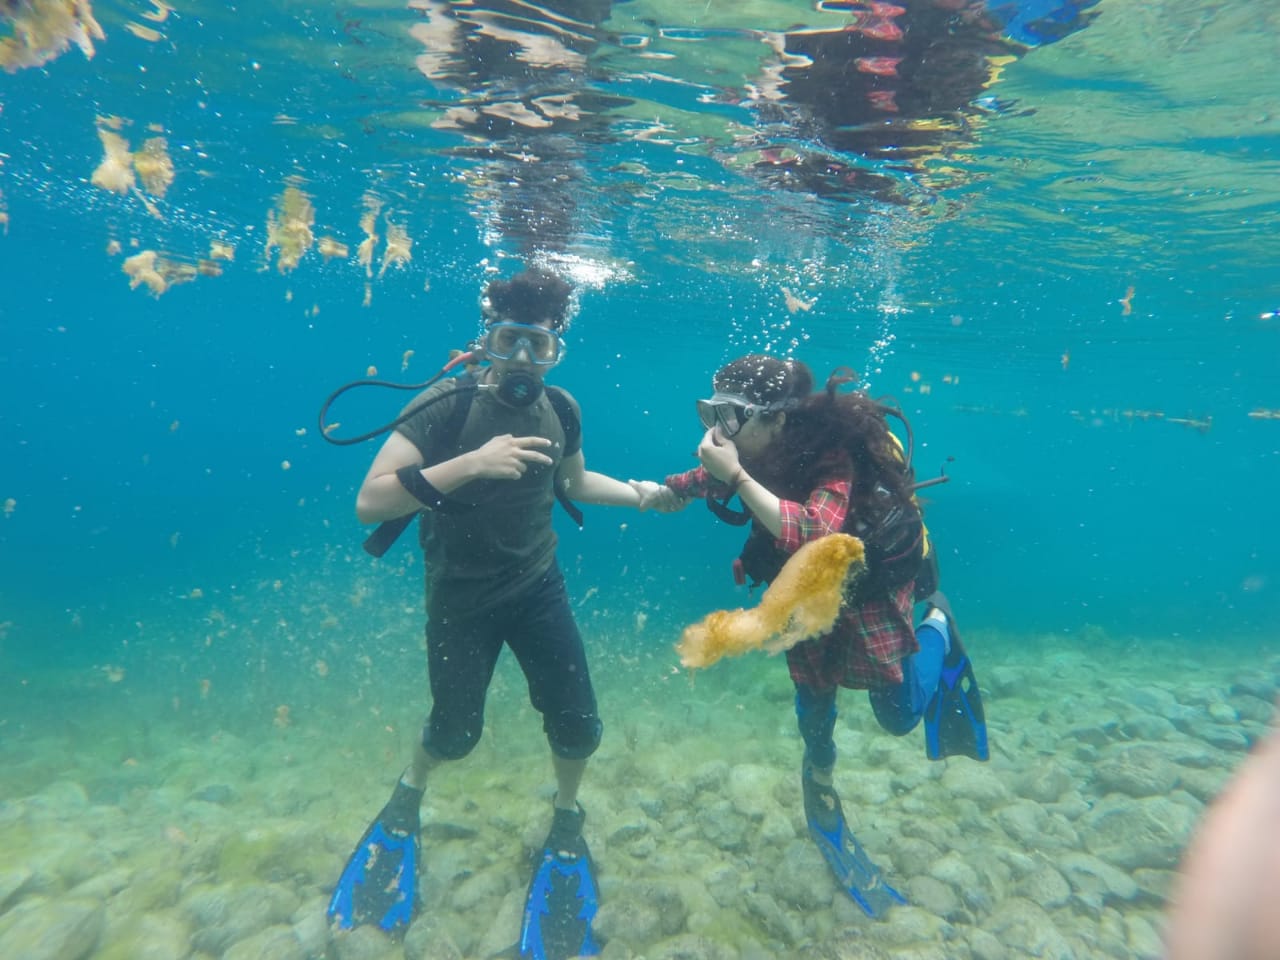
866	647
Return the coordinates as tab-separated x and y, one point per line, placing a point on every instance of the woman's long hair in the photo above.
826	433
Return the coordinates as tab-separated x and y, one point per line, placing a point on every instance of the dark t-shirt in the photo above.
494	538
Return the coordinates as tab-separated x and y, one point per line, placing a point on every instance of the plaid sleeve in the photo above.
691	483
821	514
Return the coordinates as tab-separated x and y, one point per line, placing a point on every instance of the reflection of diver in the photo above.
517	75
847	110
894	85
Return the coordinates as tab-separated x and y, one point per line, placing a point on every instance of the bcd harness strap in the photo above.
386	533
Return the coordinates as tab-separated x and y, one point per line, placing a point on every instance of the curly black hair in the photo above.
534	296
824	433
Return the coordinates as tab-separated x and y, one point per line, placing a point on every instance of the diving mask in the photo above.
504	341
730	412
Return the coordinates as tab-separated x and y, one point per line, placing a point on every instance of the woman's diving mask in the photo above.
730	412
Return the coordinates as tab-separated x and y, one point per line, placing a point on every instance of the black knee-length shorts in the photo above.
538	626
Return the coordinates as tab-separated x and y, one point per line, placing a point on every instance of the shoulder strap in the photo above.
572	428
569	421
386	533
722	511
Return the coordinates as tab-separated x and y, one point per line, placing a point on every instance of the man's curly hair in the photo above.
533	296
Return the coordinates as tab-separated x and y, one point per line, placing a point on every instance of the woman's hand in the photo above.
508	458
719	455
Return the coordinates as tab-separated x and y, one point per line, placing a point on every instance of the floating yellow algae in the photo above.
795	304
285	465
115	172
282	718
399	243
118	167
368	221
371	371
143	33
113	248
10	505
209	268
160	14
289	228
220	250
802	602
329	247
45	29
404	360
156	272
154	166
368	295
141	268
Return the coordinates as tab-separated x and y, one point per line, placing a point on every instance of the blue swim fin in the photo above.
379	884
563	897
859	877
955	723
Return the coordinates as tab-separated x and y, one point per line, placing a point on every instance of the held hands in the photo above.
508	458
656	496
719	455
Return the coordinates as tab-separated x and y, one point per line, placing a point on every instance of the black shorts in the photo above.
462	651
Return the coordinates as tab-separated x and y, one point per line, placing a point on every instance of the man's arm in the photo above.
587	486
383	497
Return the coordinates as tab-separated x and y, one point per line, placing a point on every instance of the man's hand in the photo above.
508	458
656	496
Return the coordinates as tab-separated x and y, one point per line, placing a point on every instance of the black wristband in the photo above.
419	487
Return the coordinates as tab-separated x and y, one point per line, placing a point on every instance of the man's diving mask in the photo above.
730	412
541	345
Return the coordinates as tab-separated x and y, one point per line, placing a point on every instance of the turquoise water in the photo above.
1066	278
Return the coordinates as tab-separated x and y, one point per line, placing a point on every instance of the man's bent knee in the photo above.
451	742
573	737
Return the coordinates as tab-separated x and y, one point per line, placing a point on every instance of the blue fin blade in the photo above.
562	902
378	884
859	877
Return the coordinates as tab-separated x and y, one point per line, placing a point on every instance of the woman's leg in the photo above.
816	717
899	708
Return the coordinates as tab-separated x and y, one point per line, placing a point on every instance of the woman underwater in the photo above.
805	465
